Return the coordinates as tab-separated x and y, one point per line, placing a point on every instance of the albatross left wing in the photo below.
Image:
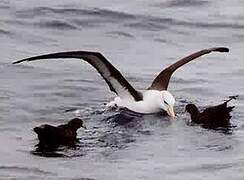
161	82
116	82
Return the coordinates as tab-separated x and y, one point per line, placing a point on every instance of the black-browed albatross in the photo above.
152	100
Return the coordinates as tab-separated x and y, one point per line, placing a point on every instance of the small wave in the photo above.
121	33
183	3
56	24
207	167
188	81
79	80
26	170
35	12
110	14
210	25
87	23
157	24
101	13
74	17
146	25
4	4
5	32
161	40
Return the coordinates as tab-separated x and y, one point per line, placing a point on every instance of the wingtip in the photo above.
231	98
19	61
234	97
221	49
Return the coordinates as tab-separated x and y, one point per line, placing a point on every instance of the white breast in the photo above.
150	103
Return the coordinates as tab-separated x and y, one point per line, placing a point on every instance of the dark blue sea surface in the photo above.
140	38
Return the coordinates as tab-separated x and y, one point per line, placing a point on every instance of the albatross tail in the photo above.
231	98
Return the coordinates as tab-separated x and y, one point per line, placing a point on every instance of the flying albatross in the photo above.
152	100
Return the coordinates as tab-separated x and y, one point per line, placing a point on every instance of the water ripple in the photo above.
56	24
121	33
101	13
183	3
28	170
5	32
72	18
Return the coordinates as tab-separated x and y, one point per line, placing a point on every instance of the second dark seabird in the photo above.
212	117
154	99
65	134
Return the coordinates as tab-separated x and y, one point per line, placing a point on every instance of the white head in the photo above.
168	102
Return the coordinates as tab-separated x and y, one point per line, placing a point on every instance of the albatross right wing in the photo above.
161	82
116	82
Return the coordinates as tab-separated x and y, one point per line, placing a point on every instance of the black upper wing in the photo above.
116	82
161	82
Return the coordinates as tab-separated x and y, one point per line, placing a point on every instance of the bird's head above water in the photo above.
76	123
192	109
168	102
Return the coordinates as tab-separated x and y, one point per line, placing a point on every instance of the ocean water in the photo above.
140	38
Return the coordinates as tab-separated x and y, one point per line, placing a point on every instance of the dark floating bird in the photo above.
212	117
52	136
154	99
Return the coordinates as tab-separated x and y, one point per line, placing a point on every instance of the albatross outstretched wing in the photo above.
116	82
161	82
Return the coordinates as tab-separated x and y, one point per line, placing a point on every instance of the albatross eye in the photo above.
166	103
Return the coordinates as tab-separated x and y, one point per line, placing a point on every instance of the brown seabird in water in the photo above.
64	134
212	117
152	100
